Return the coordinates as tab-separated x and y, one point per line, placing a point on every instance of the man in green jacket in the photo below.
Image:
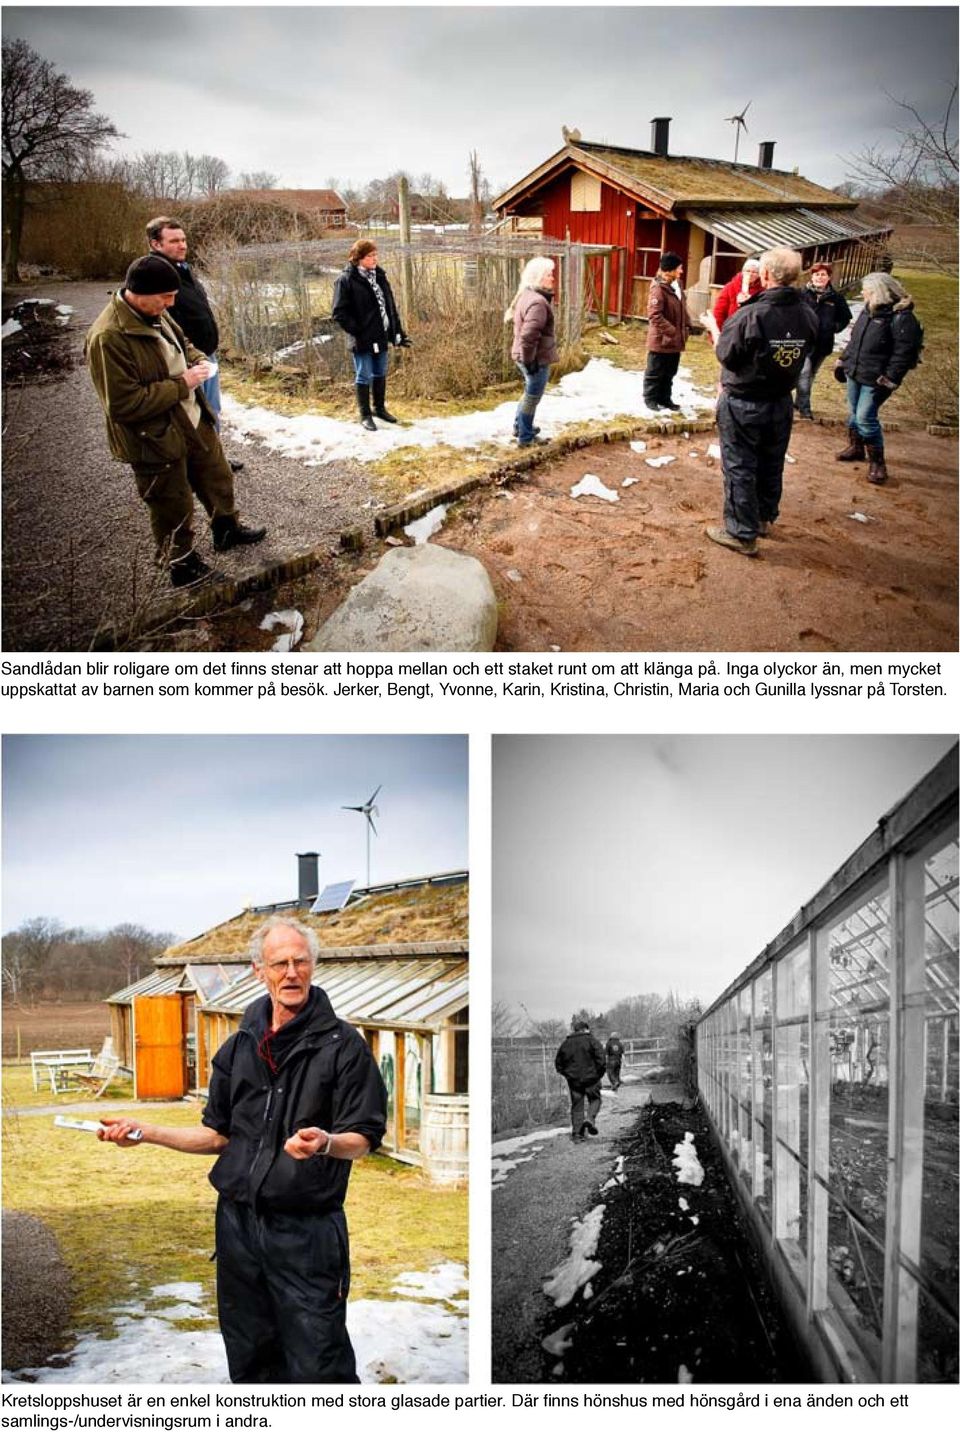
148	377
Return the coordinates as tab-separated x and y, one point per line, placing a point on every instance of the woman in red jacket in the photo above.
743	286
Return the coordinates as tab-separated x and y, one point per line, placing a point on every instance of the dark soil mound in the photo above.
680	1288
41	348
36	1292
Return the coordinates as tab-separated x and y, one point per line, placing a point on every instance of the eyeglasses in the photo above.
299	962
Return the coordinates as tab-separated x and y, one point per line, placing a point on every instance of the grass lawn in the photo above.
130	1219
19	1093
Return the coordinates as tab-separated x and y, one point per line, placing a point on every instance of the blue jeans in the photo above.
811	367
863	401
367	366
534	381
211	391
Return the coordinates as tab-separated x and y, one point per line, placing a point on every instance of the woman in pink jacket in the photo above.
534	342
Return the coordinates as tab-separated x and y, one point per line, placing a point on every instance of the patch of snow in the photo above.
291	625
860	517
513	575
520	1141
688	1166
591	486
660	461
788	458
394	1341
559	1342
714	450
423	528
579	1266
446	1281
599	391
629	481
9	328
639	445
683	1375
65	308
684	1204
301	346
692	453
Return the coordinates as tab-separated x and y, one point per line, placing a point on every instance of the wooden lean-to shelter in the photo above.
394	962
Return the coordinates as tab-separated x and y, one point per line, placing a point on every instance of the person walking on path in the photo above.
761	350
613	1053
833	315
365	308
581	1061
884	345
534	342
667	334
295	1098
148	377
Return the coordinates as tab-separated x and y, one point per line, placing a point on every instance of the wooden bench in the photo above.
52	1064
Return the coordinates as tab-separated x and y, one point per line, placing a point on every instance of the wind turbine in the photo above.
740	121
369	810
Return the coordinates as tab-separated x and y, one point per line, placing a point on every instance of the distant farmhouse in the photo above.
323	207
639	203
394	963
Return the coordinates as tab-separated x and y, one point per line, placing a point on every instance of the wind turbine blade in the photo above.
372	826
357	808
375	794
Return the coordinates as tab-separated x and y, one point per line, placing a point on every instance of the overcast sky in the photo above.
180	832
356	93
631	865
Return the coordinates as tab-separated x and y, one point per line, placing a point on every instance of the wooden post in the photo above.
400	1088
403	198
621	281
605	288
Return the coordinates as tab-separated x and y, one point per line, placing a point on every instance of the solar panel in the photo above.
332	897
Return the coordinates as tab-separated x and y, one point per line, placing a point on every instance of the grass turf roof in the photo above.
689	180
420	914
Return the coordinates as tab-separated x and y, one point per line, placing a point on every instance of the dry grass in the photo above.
129	1220
430	913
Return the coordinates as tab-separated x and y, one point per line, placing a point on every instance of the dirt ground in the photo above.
586	574
53	1026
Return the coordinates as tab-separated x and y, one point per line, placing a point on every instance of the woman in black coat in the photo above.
883	346
833	315
364	307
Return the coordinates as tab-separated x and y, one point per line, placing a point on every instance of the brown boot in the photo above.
878	468
854	451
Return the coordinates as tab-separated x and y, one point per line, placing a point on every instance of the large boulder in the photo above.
416	599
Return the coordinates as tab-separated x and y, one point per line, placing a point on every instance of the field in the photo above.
53	1026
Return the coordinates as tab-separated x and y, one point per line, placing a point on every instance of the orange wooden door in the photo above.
158	1042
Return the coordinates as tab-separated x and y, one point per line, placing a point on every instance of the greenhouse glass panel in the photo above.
939	1223
763	1091
793	1062
744	1131
859	973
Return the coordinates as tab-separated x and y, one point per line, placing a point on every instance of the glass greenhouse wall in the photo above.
830	1072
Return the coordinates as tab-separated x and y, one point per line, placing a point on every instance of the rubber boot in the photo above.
228	532
878	468
189	570
855	450
363	403
380	400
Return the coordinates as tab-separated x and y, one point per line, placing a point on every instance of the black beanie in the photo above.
669	262
152	274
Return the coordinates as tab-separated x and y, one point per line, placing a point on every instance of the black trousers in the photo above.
613	1072
754	436
282	1284
578	1093
658	378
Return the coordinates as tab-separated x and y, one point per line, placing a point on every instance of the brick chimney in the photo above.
660	136
766	154
308	880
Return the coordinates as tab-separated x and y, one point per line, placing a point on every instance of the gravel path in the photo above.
531	1226
77	552
36	1292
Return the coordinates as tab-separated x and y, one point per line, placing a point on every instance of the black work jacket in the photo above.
580	1058
883	344
833	315
326	1078
193	313
357	312
763	345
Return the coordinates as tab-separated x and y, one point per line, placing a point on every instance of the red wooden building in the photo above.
714	214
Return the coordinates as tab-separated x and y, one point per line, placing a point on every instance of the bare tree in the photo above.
212	174
133	948
49	128
918	178
476	202
257	179
25	953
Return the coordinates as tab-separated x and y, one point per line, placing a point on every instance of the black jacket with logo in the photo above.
833	315
883	344
193	313
580	1058
325	1077
357	312
762	346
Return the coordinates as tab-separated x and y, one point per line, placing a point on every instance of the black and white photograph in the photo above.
725	1059
461	328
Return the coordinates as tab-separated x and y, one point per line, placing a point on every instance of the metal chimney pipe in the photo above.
660	136
308	877
766	154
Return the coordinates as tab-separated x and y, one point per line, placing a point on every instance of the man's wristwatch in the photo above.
322	1153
